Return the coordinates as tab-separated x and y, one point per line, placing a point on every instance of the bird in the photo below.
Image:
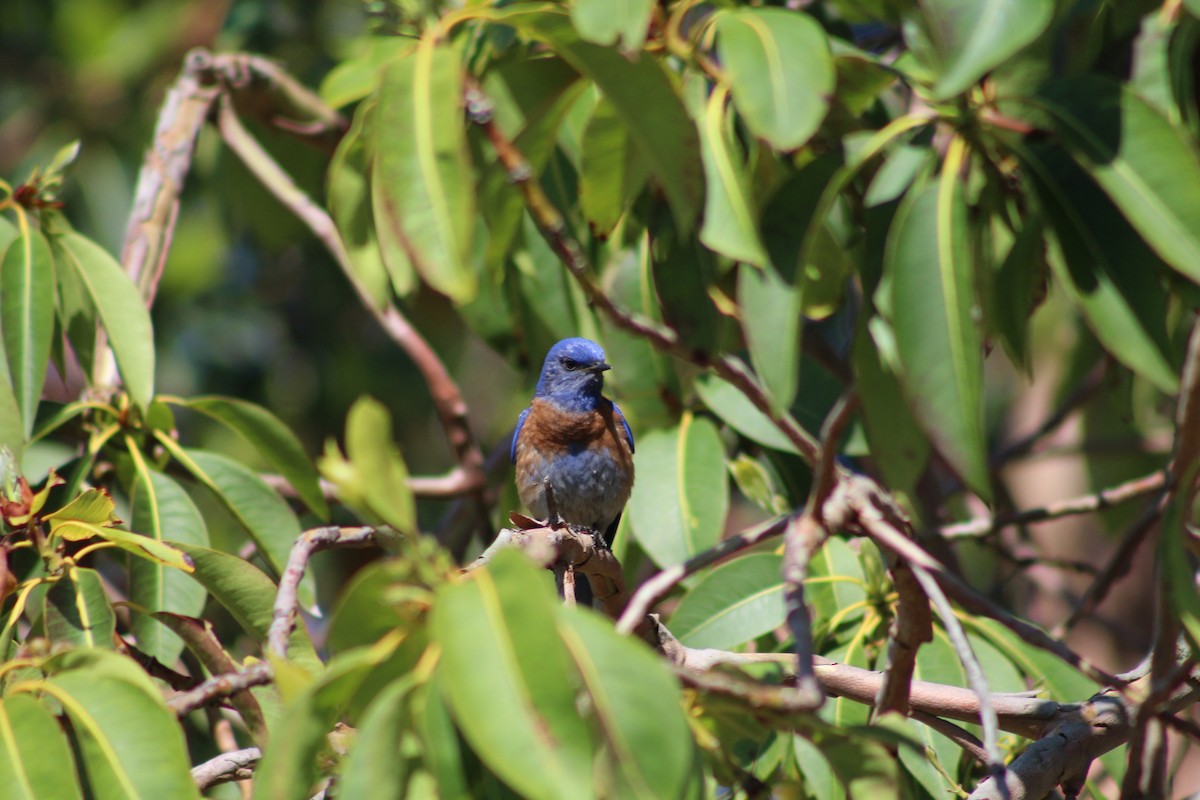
576	441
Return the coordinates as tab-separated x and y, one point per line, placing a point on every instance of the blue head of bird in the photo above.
573	374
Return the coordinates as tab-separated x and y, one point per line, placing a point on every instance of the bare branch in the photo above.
219	687
283	618
803	538
1088	503
959	735
657	587
234	766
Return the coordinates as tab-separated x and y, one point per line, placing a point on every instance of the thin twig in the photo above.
219	687
283	618
1088	503
975	676
234	766
803	538
455	483
959	735
1091	384
657	587
447	398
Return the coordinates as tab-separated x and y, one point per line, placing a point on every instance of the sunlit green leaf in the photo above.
121	309
77	610
424	175
780	72
610	21
681	494
734	603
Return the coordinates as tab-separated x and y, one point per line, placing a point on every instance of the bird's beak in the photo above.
602	367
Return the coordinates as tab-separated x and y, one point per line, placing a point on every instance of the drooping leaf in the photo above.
35	757
610	21
646	100
681	493
249	596
771	321
934	318
77	610
637	704
734	603
612	172
257	508
730	214
519	715
274	441
128	743
27	315
122	311
162	510
1103	264
1145	165
349	190
734	408
780	72
974	37
423	172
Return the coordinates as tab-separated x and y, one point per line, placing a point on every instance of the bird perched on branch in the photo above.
576	441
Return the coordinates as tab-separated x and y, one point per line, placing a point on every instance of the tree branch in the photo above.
234	766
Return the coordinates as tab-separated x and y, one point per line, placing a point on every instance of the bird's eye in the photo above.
570	364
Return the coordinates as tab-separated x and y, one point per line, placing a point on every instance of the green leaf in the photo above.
972	38
637	704
836	583
609	21
897	443
161	509
934	318
780	72
730	214
647	101
376	765
735	602
249	596
122	311
373	479
77	610
1103	265
519	714
35	757
27	318
262	513
612	172
424	175
290	766
12	429
1145	164
93	507
771	320
348	189
681	494
937	662
128	743
274	441
735	409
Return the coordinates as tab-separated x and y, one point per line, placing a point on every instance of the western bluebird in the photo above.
577	439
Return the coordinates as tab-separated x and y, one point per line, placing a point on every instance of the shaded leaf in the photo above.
642	93
780	72
681	494
934	318
27	317
772	322
1146	165
77	610
735	409
249	596
163	511
974	37
612	172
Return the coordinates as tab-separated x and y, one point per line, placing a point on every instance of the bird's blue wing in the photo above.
624	424
512	453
